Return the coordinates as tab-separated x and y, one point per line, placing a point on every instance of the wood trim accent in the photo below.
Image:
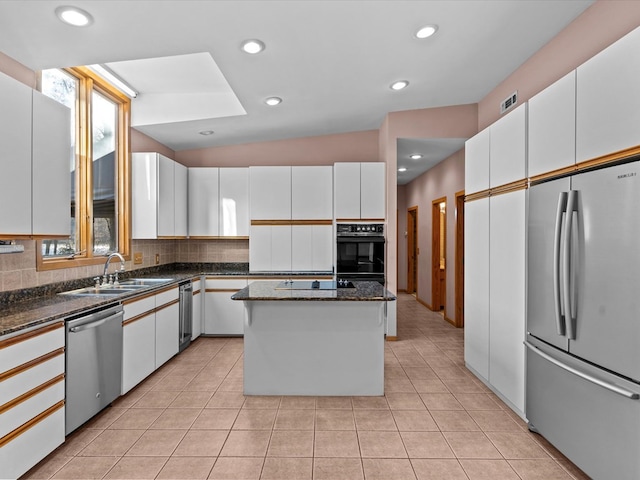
412	246
165	289
438	294
226	277
219	237
30	364
33	333
197	292
459	261
424	303
358	220
222	290
256	223
31	423
609	158
451	321
291	277
138	317
391	338
167	305
477	195
510	187
31	393
128	301
9	236
561	172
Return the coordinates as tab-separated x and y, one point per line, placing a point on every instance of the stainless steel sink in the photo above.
111	290
144	282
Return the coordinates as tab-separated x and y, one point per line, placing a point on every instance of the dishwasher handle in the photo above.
94	324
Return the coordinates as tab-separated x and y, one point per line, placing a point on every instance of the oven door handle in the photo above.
362	239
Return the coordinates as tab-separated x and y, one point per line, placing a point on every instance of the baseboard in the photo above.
452	322
391	338
424	303
403	290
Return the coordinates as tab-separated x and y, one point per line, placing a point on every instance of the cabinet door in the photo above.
260	248
476	163
166	197
196	324
552	127
270	193
312	193
507	295
346	184
167	328
180	200
281	248
15	156
608	100
508	148
224	316
322	241
144	195
476	286
203	202
372	190
302	247
52	161
138	350
234	202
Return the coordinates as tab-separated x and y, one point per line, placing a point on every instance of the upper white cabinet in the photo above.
359	190
312	248
312	193
204	202
608	100
476	165
270	193
35	154
234	202
159	197
507	162
552	127
270	248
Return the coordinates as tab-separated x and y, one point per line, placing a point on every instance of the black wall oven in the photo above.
360	251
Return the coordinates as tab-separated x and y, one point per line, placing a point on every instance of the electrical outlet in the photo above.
157	259
137	258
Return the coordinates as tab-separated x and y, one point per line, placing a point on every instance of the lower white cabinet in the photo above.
31	398
312	248
223	316
196	317
270	248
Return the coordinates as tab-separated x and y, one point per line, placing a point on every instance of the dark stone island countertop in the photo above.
361	292
28	308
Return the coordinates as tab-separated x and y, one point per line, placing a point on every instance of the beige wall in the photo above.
16	70
143	143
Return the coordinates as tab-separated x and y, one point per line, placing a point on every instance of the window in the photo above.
99	198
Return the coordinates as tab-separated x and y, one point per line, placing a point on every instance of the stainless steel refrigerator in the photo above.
583	318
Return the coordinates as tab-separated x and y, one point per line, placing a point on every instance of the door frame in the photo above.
438	297
412	240
459	266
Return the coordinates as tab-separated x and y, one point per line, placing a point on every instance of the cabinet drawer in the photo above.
23	451
167	296
226	283
139	307
21	413
23	348
20	383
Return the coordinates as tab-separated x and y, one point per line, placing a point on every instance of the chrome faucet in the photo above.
106	265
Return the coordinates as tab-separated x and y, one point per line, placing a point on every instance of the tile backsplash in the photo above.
18	270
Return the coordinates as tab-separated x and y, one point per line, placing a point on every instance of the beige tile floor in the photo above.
190	420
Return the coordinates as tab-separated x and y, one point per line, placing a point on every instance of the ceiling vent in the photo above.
509	102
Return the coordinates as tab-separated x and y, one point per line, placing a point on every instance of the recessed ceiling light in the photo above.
402	169
415	156
399	85
206	132
74	16
272	101
253	46
426	31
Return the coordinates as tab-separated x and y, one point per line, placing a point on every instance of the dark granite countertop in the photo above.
362	292
33	307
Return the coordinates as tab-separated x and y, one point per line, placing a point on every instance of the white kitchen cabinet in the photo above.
196	317
552	127
507	292
476	286
32	389
138	341
359	191
270	248
203	202
507	162
608	100
223	316
476	163
167	325
270	193
312	248
51	163
281	248
234	202
312	193
155	199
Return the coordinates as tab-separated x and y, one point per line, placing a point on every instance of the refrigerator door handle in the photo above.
557	249
585	376
570	318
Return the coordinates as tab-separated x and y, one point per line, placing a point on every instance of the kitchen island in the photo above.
302	338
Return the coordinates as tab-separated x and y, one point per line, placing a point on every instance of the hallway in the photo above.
190	420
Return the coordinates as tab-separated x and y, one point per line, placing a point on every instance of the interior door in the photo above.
543	208
608	281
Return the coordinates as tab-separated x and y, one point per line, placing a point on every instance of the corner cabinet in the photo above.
35	156
158	197
359	191
32	392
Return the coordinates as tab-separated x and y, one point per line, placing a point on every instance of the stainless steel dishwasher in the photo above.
93	363
186	315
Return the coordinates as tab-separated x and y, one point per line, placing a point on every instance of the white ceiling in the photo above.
331	61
